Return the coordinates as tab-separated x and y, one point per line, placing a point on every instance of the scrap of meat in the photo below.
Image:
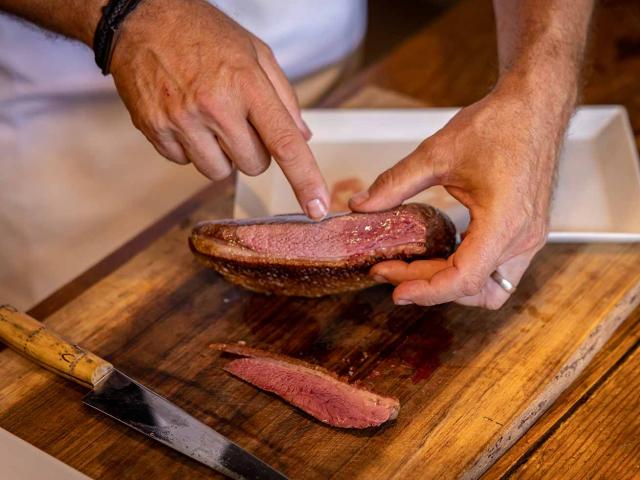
311	388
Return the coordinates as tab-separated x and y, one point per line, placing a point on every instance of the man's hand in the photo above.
497	157
204	90
200	87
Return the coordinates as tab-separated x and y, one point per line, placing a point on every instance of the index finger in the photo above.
288	147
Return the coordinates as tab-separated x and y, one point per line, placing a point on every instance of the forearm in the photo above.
541	45
72	18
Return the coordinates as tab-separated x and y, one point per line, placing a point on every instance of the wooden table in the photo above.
474	384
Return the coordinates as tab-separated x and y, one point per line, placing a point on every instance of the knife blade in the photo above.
122	398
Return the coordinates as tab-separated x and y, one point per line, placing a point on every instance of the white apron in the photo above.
76	179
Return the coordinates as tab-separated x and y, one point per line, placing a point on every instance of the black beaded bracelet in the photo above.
104	40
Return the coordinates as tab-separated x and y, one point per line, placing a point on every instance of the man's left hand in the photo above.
498	158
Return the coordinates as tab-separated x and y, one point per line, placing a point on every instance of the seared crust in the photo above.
312	277
242	350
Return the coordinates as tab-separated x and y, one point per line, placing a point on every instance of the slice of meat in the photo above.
311	388
291	255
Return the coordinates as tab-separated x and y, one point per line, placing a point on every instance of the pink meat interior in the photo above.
338	237
322	396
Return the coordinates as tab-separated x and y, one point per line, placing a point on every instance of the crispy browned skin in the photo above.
313	277
242	350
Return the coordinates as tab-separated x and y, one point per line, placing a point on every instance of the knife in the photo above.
122	398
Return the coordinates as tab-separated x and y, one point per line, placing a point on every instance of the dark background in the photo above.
391	22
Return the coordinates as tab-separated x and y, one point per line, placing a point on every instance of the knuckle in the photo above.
153	128
158	134
285	148
215	104
472	284
264	50
254	169
157	130
387	180
171	158
179	117
535	238
424	302
541	235
179	161
217	176
238	76
139	123
208	101
218	171
232	82
533	242
167	150
493	303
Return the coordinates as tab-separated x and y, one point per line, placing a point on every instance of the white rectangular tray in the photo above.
20	460
597	198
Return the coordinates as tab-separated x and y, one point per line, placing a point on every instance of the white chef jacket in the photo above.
76	179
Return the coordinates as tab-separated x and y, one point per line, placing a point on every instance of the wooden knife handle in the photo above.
31	338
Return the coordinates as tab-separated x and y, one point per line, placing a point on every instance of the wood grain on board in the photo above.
602	438
470	381
595	421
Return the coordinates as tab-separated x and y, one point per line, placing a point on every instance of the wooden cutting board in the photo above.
470	381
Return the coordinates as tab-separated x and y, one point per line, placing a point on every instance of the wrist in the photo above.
546	72
114	18
88	17
548	92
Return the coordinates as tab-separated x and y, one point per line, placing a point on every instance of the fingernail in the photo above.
307	132
316	209
360	197
380	279
402	301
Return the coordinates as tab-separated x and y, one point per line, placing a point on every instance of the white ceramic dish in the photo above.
21	461
597	198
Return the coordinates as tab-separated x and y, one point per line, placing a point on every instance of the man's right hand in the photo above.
204	90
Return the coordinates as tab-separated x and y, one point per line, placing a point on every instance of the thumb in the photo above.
409	176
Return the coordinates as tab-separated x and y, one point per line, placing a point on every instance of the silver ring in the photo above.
505	284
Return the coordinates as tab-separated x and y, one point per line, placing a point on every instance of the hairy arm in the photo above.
75	19
542	35
201	88
541	45
497	157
